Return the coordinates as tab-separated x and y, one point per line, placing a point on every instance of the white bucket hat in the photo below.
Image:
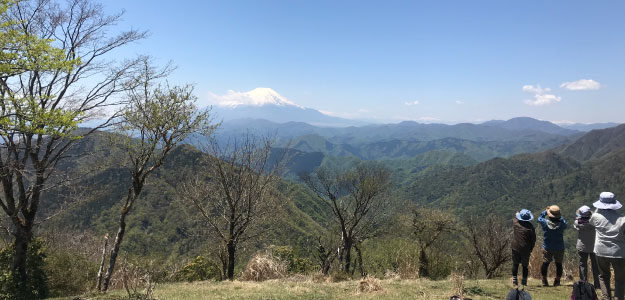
607	201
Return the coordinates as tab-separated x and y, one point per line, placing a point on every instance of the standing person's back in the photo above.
523	240
610	245
586	245
553	226
610	238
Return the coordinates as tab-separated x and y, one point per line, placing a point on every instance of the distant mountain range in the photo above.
523	123
269	105
588	127
407	139
513	129
570	176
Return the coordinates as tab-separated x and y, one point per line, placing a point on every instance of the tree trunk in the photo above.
99	282
231	259
115	250
347	244
325	270
423	264
361	268
223	257
22	239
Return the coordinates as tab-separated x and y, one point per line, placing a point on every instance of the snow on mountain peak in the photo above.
256	97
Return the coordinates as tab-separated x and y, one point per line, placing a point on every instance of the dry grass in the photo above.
458	284
369	284
264	267
283	289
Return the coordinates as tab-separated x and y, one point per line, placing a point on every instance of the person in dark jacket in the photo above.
523	240
553	225
586	245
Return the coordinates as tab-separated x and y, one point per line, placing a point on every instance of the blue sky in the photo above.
443	61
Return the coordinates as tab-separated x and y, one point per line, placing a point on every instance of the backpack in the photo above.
516	294
583	290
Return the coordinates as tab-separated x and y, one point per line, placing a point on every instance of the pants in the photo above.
583	267
524	260
548	257
618	264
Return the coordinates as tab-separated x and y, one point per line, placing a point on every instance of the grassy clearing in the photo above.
307	289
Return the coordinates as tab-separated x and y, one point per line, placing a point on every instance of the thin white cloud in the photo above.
563	122
540	100
536	89
416	102
459	102
541	96
344	115
581	85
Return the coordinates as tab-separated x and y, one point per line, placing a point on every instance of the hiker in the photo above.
523	240
553	225
586	245
609	244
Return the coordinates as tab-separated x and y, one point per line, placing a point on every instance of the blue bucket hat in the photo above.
607	201
524	215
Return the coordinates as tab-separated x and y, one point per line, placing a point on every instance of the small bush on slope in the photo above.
264	267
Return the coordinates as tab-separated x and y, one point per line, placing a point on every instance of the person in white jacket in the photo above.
610	244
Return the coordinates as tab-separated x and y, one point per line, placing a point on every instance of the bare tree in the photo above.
155	120
235	190
326	254
357	197
44	101
490	239
429	226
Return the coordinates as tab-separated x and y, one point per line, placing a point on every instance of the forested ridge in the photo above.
161	227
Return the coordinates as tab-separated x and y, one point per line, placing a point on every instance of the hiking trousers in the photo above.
548	257
618	264
523	259
583	267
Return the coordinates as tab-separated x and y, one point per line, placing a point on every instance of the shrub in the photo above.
391	257
37	284
294	262
199	268
263	267
69	273
138	281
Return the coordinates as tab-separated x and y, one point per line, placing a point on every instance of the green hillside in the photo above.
534	181
160	225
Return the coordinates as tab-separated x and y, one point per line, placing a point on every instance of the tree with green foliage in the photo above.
358	197
48	50
156	119
36	286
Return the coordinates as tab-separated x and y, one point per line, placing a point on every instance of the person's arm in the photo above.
564	224
576	225
592	219
541	219
533	237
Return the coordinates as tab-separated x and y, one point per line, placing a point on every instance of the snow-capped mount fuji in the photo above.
265	103
256	97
